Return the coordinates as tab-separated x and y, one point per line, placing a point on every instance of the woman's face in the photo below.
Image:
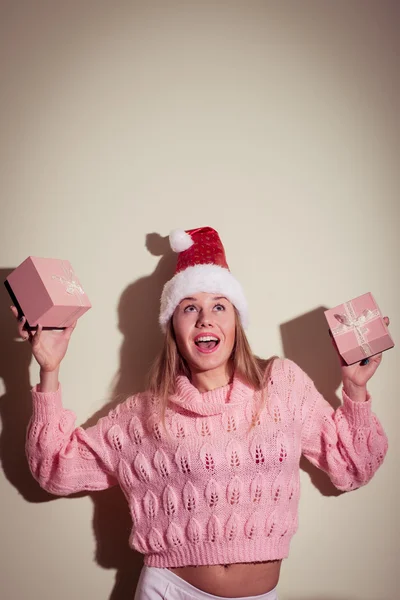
204	328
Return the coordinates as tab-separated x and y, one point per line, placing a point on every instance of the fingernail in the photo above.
21	319
364	362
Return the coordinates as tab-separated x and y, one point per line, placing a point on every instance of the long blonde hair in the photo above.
169	364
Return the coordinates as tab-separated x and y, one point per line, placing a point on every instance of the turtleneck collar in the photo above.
209	403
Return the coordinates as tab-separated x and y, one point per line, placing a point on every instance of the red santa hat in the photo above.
201	267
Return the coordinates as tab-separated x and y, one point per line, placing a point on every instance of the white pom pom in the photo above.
180	240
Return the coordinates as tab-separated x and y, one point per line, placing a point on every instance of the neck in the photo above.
205	381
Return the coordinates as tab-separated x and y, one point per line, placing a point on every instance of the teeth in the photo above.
207	338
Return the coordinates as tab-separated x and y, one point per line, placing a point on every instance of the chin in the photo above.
209	364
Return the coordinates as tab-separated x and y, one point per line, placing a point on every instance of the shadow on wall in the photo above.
138	322
306	341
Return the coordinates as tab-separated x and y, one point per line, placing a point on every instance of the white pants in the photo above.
162	584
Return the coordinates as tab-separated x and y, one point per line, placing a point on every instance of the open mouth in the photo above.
207	343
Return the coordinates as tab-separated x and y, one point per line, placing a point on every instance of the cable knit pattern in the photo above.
210	492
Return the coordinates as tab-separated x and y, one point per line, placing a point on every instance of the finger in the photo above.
26	336
377	358
374	361
387	321
14	311
22	332
37	335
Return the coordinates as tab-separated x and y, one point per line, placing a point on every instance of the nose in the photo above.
204	319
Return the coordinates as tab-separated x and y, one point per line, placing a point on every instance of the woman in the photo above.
208	458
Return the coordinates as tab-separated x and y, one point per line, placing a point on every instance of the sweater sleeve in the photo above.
62	458
348	443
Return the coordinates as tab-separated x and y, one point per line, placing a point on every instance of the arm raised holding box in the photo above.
48	347
62	458
349	444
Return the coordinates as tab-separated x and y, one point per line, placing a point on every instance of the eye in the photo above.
219	307
189	308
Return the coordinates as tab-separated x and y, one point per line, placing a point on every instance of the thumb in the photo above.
69	330
36	336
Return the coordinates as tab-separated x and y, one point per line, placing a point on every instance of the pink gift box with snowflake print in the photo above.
358	329
47	291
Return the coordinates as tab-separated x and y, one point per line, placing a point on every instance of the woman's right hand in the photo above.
49	346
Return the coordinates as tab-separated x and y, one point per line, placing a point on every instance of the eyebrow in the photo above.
195	299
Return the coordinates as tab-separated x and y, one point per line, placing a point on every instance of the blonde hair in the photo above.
169	364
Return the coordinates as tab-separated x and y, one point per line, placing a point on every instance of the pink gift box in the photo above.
47	291
358	329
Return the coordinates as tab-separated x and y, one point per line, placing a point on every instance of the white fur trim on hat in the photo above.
212	279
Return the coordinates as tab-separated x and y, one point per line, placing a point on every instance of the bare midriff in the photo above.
232	581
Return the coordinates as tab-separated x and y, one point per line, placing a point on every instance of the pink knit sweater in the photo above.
211	493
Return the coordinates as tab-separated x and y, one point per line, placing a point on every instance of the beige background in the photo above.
276	123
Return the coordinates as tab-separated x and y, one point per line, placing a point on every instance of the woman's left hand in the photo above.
355	377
